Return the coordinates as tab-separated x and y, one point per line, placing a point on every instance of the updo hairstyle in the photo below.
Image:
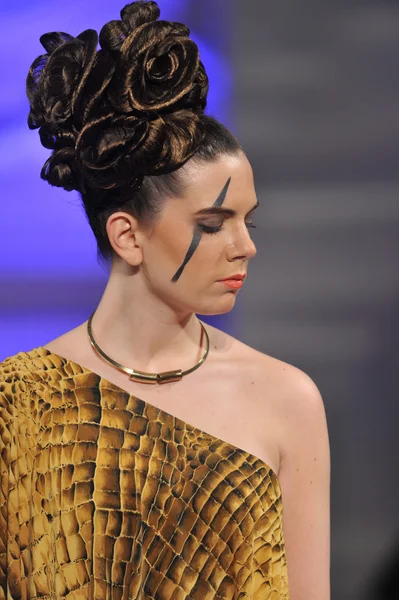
122	120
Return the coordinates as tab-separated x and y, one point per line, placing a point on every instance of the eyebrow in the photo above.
219	210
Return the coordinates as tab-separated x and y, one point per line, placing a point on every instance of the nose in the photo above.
242	245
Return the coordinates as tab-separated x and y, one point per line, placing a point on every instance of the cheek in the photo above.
204	264
166	251
206	254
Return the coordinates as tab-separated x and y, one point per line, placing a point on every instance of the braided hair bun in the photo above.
131	108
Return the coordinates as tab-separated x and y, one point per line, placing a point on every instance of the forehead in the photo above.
204	181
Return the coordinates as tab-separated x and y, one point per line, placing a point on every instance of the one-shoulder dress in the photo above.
104	496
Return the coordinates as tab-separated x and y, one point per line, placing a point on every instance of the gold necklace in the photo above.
142	376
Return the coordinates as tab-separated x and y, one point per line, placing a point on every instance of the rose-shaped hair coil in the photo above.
131	108
158	66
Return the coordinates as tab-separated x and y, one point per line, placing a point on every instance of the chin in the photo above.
217	307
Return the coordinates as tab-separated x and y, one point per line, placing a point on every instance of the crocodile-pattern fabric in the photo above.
107	497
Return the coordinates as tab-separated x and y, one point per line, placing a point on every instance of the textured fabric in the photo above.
104	496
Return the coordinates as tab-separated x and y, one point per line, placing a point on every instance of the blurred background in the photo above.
311	89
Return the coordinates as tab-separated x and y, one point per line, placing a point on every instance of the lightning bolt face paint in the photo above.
198	234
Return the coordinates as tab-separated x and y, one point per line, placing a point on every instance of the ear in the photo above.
125	237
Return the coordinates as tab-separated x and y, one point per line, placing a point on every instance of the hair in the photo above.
122	120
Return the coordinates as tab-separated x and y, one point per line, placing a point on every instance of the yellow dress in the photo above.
107	497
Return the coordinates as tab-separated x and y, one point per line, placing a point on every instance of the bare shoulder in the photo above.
297	402
294	385
284	394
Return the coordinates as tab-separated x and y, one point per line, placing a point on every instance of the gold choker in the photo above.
141	376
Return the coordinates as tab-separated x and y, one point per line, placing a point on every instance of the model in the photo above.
145	454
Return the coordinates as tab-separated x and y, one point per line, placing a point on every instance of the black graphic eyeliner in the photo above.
198	233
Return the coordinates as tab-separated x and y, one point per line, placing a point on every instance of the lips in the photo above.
238	277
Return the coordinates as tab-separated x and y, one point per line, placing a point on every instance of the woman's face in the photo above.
203	237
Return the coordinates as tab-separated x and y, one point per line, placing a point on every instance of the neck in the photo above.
138	330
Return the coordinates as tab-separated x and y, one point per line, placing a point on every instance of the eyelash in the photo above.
211	230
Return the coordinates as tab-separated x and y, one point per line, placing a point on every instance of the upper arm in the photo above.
305	483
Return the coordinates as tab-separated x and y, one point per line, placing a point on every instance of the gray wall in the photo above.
317	95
